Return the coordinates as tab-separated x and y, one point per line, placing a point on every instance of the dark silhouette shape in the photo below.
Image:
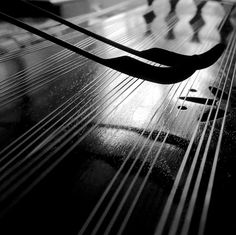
197	22
199	100
149	17
132	67
220	114
182	66
150	2
149	54
200	61
171	16
20	11
219	94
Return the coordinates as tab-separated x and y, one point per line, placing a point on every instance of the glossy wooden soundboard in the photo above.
88	150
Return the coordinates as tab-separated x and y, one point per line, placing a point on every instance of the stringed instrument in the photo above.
110	124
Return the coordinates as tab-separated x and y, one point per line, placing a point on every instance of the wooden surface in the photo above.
70	129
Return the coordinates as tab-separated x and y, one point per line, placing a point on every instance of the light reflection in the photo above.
143	113
212	13
137	110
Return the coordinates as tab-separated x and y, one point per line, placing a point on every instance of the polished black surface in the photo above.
68	125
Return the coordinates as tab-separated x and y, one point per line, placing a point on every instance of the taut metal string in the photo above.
168	204
45	44
121	204
51	61
136	68
119	87
176	219
101	218
193	199
24	139
57	161
29	83
15	78
30	78
143	54
11	144
53	58
214	165
96	228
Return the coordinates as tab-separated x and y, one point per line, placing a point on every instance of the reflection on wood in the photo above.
89	150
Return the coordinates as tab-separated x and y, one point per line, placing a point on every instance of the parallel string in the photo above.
214	165
57	161
34	88
33	84
122	202
52	25
58	57
70	149
87	87
203	161
76	95
179	211
144	161
86	224
168	204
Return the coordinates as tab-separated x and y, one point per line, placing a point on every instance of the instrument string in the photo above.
146	71
106	28
166	210
35	130
89	85
134	202
134	180
193	198
83	229
82	91
58	160
31	137
17	90
7	98
108	189
50	61
57	57
213	170
121	184
116	176
33	80
179	210
67	64
52	25
83	30
88	221
33	45
45	44
113	219
119	87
